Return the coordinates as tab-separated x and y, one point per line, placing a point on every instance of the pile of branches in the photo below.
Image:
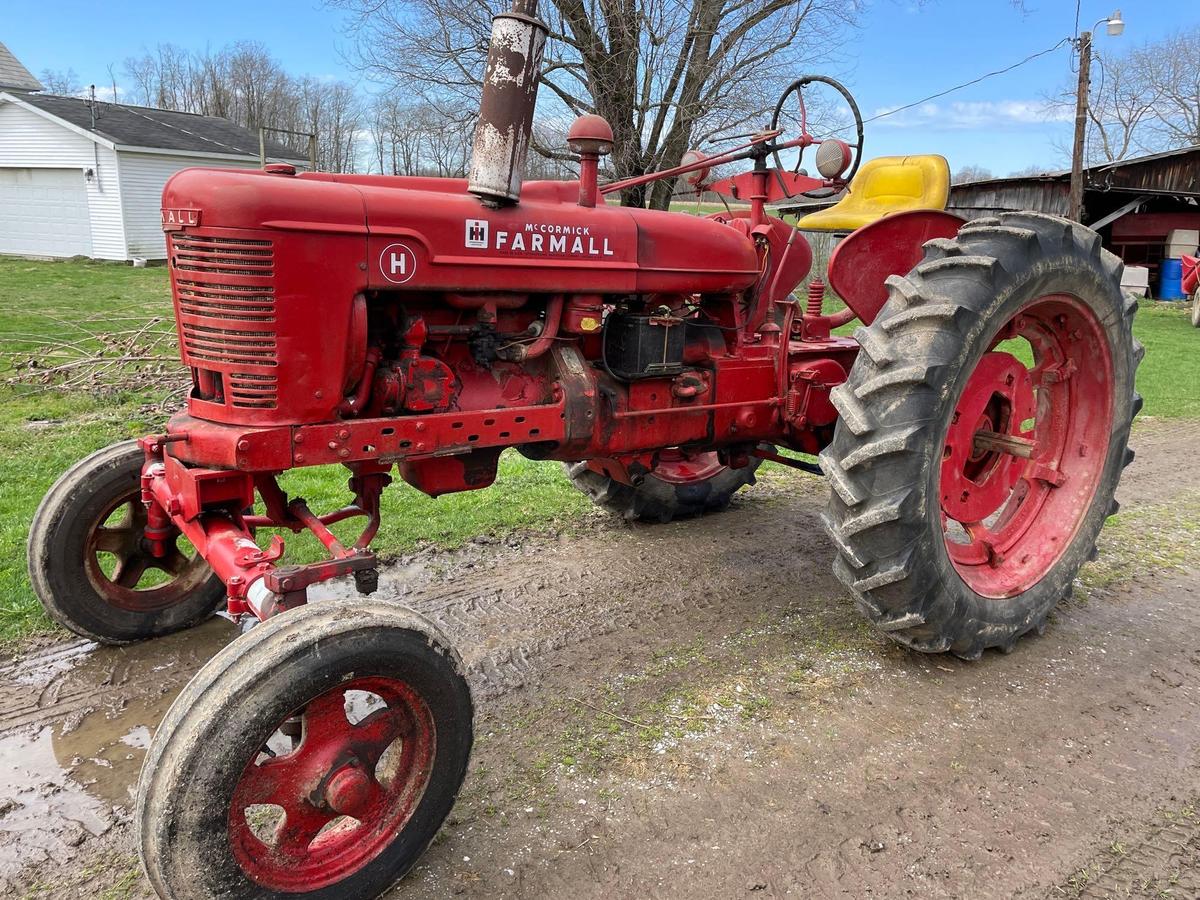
100	355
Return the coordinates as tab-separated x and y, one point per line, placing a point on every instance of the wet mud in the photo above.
696	710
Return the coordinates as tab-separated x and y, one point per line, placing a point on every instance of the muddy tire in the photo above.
968	488
89	566
233	804
674	490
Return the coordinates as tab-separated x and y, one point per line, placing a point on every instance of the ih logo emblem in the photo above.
398	263
477	233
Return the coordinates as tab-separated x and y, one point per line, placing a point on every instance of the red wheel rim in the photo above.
129	580
1026	446
677	467
305	818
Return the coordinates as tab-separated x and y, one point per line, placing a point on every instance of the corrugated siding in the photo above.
143	176
28	140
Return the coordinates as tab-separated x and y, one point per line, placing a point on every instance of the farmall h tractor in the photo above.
972	431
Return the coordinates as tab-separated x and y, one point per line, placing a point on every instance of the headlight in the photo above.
833	158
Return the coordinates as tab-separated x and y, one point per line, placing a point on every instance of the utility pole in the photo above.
1083	44
1081	112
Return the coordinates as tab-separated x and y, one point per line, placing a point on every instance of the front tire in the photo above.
89	565
1196	308
969	488
315	757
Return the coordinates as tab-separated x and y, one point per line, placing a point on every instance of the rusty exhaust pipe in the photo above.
510	81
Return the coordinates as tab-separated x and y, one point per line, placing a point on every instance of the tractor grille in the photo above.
225	302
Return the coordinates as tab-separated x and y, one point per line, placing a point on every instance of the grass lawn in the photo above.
119	311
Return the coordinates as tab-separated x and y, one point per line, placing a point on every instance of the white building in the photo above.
85	178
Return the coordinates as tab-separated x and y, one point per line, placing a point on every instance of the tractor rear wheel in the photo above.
681	485
89	563
314	757
983	430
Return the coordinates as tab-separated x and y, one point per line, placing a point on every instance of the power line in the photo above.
967	84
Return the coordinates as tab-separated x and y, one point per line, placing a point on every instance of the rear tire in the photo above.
897	460
239	796
90	572
662	499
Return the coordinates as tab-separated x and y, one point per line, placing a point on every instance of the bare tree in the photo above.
971	173
666	74
1029	171
242	82
1172	72
1143	101
56	81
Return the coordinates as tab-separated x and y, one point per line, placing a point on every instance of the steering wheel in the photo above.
797	87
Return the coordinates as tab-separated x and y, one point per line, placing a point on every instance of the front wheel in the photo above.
314	757
1196	308
983	430
90	565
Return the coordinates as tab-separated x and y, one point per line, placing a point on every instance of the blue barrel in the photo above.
1170	280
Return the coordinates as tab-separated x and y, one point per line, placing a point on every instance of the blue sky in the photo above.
904	50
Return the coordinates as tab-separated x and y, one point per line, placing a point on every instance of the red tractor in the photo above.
972	430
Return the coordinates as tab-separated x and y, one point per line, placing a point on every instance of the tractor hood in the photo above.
430	234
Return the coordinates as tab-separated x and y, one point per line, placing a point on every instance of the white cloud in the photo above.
971	115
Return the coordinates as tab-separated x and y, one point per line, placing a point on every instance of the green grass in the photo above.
96	307
1169	377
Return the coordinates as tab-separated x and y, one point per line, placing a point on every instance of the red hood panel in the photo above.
430	234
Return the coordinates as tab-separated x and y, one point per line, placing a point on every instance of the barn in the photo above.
80	177
1138	205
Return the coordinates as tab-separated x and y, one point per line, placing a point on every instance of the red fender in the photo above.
891	246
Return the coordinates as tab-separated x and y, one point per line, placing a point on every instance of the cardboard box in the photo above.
1136	280
1181	242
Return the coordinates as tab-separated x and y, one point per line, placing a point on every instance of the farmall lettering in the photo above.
174	218
537	238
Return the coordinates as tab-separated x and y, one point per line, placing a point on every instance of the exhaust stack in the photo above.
506	107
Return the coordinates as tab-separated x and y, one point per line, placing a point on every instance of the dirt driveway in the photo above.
696	711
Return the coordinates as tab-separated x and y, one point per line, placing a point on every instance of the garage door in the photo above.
44	212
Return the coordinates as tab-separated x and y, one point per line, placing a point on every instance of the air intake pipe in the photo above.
510	82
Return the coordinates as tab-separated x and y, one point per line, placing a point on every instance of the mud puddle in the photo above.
569	638
75	722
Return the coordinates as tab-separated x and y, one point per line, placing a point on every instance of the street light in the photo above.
1083	43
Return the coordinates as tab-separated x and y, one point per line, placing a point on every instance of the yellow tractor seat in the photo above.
886	185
